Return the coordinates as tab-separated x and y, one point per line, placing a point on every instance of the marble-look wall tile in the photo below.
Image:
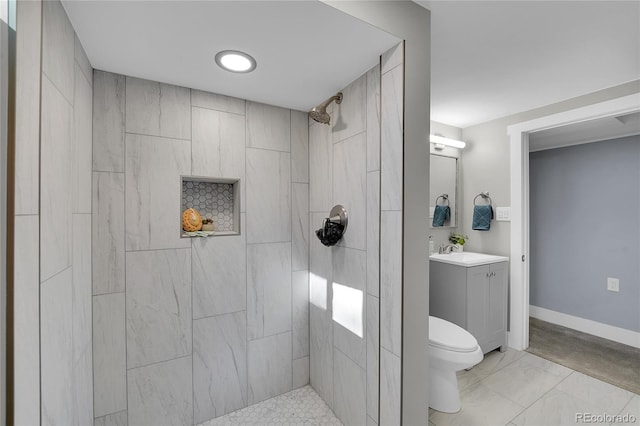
392	57
268	289
56	348
55	180
371	422
115	419
391	282
152	198
300	372
270	372
217	144
217	102
373	358
82	60
81	146
108	121
82	321
373	119
350	188
390	387
109	354
157	109
349	269
349	117
219	365
299	147
158	306
321	352
26	322
321	267
268	196
27	107
320	168
300	226
108	232
58	47
268	127
161	394
392	139
373	233
300	300
219	271
349	381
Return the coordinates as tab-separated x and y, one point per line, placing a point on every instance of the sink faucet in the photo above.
446	249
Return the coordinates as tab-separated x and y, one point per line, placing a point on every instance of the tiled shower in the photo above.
149	327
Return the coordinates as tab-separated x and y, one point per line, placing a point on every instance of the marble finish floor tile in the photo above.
516	388
302	406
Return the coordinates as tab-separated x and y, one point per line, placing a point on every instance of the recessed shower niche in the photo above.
216	199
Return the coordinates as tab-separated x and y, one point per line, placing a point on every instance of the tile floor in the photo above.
296	408
517	389
506	389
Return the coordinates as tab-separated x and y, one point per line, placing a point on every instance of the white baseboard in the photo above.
617	334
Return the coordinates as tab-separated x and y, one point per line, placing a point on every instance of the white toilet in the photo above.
451	349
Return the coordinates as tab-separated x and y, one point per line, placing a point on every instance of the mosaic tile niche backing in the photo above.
212	200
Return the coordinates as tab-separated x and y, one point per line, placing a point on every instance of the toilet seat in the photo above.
448	336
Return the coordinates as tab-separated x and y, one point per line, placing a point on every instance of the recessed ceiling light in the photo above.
235	61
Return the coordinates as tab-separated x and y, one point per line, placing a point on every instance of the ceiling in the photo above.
489	58
597	130
305	50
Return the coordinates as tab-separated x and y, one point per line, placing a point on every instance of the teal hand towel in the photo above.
482	216
440	215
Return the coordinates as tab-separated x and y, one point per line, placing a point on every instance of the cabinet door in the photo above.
478	294
497	306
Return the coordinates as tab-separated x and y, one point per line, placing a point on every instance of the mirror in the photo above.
443	190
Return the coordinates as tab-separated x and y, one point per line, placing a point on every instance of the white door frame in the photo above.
519	144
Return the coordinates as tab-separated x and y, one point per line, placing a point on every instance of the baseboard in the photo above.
617	334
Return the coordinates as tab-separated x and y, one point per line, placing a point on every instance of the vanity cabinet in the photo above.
473	297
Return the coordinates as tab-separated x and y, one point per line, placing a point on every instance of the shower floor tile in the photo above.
299	407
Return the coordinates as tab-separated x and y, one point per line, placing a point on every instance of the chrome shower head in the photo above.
320	114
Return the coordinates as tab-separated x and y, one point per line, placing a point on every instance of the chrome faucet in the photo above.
446	249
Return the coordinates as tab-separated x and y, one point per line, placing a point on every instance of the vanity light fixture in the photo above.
439	141
235	61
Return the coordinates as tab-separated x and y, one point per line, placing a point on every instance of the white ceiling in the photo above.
305	50
489	58
601	129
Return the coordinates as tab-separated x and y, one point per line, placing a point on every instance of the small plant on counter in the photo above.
458	238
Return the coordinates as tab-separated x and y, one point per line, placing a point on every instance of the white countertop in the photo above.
468	259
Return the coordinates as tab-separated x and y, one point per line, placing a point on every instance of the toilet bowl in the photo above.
451	349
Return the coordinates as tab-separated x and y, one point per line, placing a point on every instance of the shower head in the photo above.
320	114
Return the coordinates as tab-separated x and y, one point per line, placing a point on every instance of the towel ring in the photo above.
443	196
484	195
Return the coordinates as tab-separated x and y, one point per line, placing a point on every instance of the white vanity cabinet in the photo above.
473	296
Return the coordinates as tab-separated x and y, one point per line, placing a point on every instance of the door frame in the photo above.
519	159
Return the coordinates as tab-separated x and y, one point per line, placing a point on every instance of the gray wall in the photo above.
190	329
486	164
53	352
585	205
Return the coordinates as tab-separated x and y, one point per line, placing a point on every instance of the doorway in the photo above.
519	159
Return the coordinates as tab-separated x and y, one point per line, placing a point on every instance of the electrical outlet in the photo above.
613	284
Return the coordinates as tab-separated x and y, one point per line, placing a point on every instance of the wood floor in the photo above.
602	359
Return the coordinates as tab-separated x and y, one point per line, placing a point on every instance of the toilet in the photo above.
451	349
